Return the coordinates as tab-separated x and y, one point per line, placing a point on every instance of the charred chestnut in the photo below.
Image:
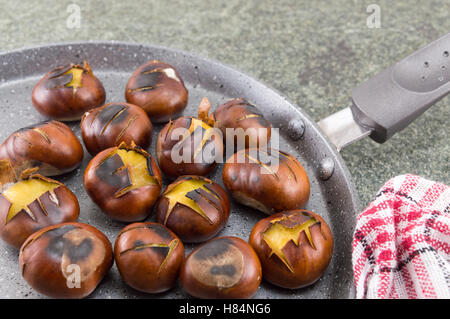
268	180
249	126
294	247
51	146
31	202
124	182
148	256
67	92
188	146
194	207
114	123
158	88
224	267
66	260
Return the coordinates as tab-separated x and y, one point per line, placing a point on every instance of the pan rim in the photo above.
339	161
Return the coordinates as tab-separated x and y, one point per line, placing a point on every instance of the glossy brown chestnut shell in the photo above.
270	181
224	267
148	256
194	207
240	114
124	182
32	202
201	142
51	146
111	124
158	88
67	92
294	247
67	260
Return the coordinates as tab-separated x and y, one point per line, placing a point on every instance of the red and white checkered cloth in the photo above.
401	245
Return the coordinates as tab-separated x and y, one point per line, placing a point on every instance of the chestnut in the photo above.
31	202
67	92
124	181
67	260
194	207
224	267
148	256
51	146
188	146
250	127
268	180
294	247
114	123
158	88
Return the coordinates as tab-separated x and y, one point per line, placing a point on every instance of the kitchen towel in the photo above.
401	244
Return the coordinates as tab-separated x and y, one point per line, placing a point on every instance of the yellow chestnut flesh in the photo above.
67	92
193	207
178	195
124	182
23	193
137	167
30	202
294	247
75	83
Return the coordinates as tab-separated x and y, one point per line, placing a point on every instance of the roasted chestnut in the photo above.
124	181
148	256
294	247
224	267
268	180
114	123
67	92
51	146
188	146
158	88
249	127
31	202
194	207
66	260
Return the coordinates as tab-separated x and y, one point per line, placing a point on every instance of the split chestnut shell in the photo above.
239	114
158	88
294	247
124	182
188	146
148	256
268	180
67	92
51	146
194	207
114	123
31	203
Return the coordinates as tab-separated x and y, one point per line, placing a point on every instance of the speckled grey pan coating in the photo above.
335	198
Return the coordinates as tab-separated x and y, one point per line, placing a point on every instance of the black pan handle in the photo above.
390	101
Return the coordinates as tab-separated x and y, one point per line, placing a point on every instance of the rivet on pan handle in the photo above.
391	100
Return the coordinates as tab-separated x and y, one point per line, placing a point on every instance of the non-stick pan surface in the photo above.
335	199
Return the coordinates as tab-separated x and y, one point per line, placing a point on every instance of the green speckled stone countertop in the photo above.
314	52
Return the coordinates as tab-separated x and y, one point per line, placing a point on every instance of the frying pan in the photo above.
333	194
